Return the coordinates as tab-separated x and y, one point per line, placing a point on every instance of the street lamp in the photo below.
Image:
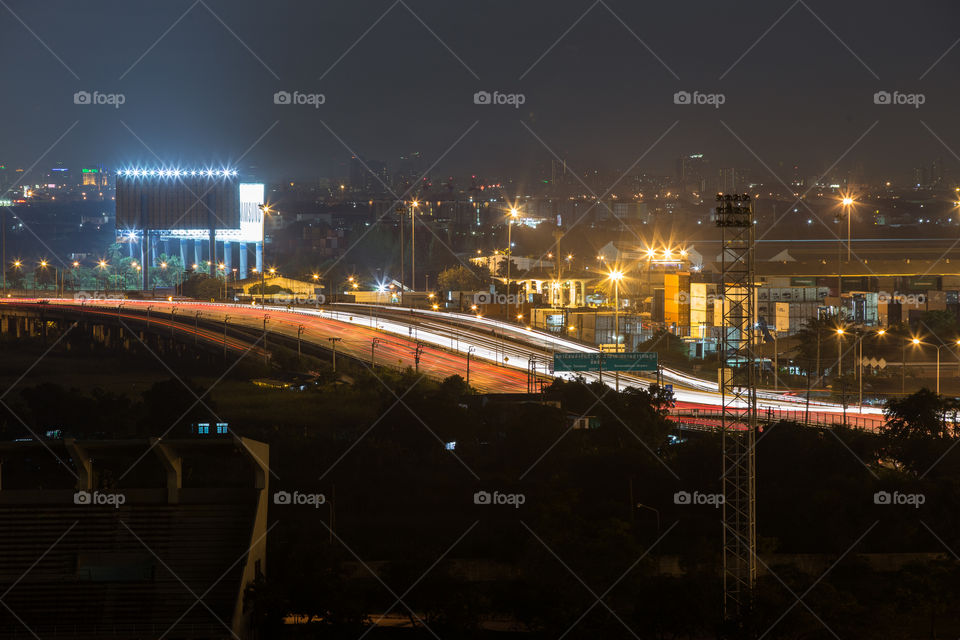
103	265
845	203
413	247
916	342
903	364
880	334
265	210
840	333
470	351
615	276
514	213
43	265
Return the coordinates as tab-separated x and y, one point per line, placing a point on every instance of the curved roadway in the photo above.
500	352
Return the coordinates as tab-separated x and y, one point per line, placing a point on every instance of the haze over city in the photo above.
513	320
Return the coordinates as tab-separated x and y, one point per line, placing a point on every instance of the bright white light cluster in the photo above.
177	173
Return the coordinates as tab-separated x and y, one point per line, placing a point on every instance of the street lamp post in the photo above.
656	511
266	318
103	265
333	343
413	248
845	203
880	333
470	350
226	319
776	362
510	219
615	277
264	210
840	333
917	342
903	365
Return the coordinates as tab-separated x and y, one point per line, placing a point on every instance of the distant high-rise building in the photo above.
733	180
691	172
6	178
93	176
367	176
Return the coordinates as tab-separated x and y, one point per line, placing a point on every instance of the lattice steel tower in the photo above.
738	391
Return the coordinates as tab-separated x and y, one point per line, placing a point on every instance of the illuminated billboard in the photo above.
251	220
178	199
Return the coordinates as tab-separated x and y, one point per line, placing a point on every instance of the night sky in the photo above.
199	80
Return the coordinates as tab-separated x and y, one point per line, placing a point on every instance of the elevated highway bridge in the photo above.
500	356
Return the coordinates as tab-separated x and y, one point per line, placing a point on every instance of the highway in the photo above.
500	352
514	345
356	340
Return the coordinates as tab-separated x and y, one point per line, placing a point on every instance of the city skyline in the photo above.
229	70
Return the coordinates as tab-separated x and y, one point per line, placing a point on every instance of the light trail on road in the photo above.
391	351
501	352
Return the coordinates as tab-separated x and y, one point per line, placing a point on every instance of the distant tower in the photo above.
738	391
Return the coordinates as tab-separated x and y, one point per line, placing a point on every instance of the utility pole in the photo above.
264	209
400	210
818	353
3	270
299	333
226	319
373	345
470	350
416	356
413	250
196	327
776	363
266	362
333	343
738	389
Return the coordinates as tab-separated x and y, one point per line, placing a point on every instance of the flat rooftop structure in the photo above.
131	538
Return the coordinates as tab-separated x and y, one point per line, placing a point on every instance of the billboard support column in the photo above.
183	253
197	252
213	252
260	257
227	261
242	273
145	260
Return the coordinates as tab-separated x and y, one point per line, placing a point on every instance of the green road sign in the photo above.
646	361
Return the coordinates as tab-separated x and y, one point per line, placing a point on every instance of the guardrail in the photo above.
699	418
